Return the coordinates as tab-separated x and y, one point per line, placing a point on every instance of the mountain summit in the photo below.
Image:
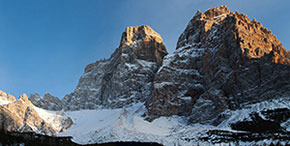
227	82
250	37
125	77
148	44
223	61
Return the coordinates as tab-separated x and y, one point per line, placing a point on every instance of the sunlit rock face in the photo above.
6	97
22	116
125	77
222	61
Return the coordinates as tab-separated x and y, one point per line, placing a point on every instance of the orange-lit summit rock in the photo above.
251	37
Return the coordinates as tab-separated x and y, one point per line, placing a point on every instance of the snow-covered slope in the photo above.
127	124
4	101
57	119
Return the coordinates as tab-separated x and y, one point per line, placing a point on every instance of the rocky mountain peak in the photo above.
6	96
48	96
125	77
142	42
139	33
48	101
35	98
217	11
249	38
24	98
220	57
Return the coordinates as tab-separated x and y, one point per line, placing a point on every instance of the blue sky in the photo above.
45	45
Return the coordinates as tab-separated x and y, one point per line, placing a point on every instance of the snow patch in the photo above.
160	85
55	118
4	101
240	115
146	63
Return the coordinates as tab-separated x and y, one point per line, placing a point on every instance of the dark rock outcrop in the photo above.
32	139
47	102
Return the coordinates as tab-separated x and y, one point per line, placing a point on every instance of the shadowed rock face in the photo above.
125	77
47	102
222	61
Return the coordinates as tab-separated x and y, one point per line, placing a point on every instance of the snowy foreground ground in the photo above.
127	124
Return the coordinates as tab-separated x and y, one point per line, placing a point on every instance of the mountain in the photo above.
22	116
227	83
223	61
125	77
